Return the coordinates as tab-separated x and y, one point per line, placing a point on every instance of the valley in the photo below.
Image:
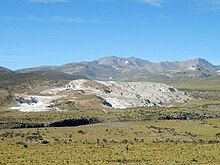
109	82
48	114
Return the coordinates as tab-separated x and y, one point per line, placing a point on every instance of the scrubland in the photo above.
187	133
150	142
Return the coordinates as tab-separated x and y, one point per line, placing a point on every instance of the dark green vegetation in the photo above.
17	82
22	82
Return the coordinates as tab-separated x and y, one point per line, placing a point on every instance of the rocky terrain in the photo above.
117	68
34	103
110	81
124	94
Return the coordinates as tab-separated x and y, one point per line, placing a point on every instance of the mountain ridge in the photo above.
120	68
4	70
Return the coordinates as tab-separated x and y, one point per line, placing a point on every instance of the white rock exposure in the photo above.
126	94
39	104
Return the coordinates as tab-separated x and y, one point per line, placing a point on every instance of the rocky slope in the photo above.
27	103
124	94
4	70
117	68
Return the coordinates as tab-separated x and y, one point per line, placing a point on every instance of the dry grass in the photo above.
152	142
100	154
201	84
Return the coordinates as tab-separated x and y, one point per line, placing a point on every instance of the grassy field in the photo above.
183	133
151	142
198	84
112	153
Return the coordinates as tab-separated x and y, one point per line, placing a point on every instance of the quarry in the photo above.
117	95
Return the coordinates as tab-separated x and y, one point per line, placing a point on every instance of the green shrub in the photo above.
22	143
81	132
44	142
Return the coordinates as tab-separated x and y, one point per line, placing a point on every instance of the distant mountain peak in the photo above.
201	63
200	60
123	62
128	68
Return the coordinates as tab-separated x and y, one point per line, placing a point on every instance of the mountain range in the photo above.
117	68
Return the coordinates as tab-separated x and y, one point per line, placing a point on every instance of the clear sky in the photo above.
55	32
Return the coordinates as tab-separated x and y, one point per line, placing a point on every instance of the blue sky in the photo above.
55	32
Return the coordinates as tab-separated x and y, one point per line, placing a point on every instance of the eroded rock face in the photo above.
126	94
26	99
34	103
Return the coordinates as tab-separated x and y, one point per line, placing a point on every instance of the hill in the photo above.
10	80
4	70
